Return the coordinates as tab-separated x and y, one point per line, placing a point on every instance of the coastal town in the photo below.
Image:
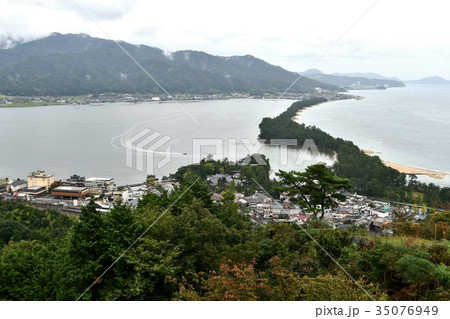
22	101
69	195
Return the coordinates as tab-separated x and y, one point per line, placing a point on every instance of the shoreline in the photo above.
410	170
343	97
21	102
298	115
402	168
407	169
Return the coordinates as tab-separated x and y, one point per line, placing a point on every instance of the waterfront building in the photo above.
70	192
40	179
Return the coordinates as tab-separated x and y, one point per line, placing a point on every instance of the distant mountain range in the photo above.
73	64
369	75
430	80
354	81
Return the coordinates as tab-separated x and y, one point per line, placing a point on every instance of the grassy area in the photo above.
42	103
405	240
26	104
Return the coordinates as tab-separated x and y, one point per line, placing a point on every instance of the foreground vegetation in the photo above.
190	248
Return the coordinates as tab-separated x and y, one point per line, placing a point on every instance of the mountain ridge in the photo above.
74	64
352	82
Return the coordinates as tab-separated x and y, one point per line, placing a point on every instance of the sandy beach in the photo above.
298	116
369	152
410	169
399	167
415	170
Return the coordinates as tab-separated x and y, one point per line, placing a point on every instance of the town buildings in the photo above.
356	210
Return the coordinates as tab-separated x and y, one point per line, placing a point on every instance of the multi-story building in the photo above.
100	183
40	179
75	180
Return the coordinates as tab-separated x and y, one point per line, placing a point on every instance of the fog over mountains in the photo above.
73	64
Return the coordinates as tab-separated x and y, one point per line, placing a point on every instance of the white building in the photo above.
105	184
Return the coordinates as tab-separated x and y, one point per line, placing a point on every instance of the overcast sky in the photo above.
403	38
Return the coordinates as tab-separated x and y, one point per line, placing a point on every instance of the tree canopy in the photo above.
316	189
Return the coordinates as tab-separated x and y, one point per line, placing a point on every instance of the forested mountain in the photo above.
72	64
353	82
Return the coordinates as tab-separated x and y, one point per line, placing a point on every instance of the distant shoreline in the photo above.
38	101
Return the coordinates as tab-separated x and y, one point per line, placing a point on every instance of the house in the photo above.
260	208
102	207
75	180
276	209
382	212
40	179
216	197
33	192
105	184
301	219
242	202
258	198
214	179
287	204
380	203
122	196
17	186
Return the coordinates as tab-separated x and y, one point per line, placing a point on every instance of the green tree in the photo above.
337	287
318	185
120	231
87	252
152	264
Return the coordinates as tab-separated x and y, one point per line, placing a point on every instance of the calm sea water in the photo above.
90	140
408	125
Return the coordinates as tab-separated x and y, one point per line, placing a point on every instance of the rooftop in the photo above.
98	179
71	189
39	174
19	182
35	188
